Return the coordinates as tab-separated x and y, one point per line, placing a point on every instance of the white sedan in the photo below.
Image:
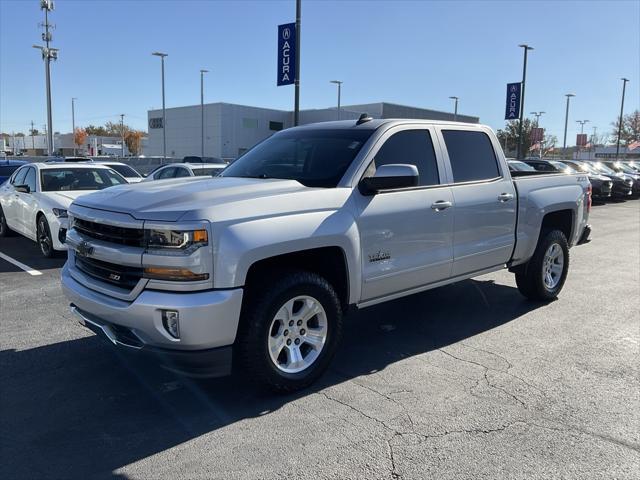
34	201
180	170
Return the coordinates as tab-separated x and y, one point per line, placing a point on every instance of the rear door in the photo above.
406	239
485	200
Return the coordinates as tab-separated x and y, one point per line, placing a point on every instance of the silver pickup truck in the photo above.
259	265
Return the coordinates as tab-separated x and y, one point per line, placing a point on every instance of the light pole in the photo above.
73	123
48	54
581	122
339	84
624	86
538	115
164	117
566	122
593	141
296	112
122	132
202	72
455	108
524	81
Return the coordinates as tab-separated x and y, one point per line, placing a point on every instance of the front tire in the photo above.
43	235
290	331
543	277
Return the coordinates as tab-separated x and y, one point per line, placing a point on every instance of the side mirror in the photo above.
389	177
22	188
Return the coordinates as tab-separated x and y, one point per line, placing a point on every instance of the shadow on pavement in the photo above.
26	251
76	409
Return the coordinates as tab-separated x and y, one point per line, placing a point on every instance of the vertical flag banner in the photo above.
286	54
512	110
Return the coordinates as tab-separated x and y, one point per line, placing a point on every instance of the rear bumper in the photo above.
213	362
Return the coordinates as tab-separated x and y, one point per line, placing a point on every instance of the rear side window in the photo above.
166	173
471	154
413	147
182	172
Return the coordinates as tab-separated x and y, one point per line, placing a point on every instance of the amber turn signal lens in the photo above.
173	274
200	236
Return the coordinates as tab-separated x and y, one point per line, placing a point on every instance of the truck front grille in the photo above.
133	237
123	277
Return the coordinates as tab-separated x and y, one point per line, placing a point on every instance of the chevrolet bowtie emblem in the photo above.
84	249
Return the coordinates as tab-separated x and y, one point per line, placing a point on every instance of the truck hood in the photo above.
218	198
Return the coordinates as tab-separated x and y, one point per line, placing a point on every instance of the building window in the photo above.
155	122
276	126
250	123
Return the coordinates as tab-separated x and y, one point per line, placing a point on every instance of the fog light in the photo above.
171	322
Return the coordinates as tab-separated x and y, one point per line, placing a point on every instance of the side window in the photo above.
181	172
18	179
30	179
412	147
166	173
471	154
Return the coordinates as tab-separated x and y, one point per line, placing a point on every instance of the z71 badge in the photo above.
379	256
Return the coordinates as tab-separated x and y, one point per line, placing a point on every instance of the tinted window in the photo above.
313	157
124	170
166	173
65	179
19	178
182	172
30	179
471	155
412	147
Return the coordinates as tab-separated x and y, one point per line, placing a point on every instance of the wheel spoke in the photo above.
316	341
276	344
556	269
286	311
295	357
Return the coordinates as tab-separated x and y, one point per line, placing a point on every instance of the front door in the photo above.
406	239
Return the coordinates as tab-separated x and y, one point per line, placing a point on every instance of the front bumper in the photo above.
208	320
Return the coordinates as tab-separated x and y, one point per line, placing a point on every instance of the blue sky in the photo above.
407	52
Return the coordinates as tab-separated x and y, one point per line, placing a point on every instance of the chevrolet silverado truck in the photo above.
258	266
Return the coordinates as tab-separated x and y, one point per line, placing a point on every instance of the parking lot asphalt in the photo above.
464	381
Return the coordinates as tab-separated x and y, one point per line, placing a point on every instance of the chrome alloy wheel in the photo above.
297	334
552	266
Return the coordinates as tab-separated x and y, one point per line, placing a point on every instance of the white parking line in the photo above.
21	265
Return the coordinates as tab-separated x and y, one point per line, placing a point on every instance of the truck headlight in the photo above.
176	239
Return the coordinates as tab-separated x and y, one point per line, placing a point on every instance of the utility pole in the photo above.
164	118
581	122
538	115
566	122
339	83
48	54
524	81
455	110
624	86
33	142
73	124
202	72
122	132
593	141
296	112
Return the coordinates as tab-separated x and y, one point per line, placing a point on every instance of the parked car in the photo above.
309	223
7	167
196	159
626	170
127	171
600	184
543	165
518	166
178	170
35	200
622	184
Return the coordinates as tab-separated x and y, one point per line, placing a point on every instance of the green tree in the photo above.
508	137
93	130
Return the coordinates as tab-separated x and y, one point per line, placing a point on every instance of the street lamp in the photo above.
455	108
524	81
339	84
202	72
566	122
73	124
624	86
164	117
582	122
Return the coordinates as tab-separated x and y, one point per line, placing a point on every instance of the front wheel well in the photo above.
328	262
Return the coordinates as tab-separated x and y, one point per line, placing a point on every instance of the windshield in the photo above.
621	167
520	166
562	166
203	172
315	158
69	179
603	168
124	170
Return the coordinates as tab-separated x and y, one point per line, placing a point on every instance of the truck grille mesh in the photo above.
123	277
133	237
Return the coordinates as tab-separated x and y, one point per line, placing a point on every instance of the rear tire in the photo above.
5	231
543	277
289	330
43	236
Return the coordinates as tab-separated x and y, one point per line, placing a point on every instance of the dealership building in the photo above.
230	129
